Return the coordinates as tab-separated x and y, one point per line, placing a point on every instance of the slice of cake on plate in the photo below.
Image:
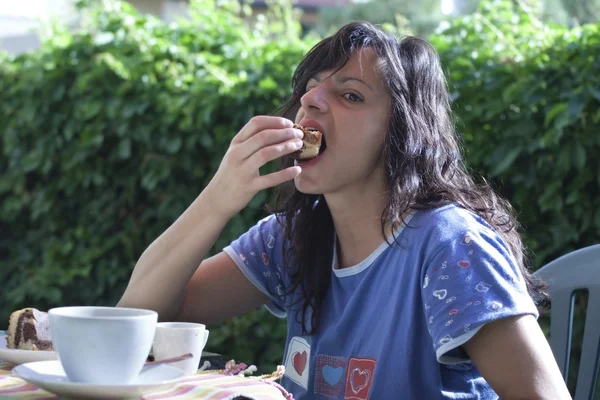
29	329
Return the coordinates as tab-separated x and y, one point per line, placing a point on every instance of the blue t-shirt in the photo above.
392	326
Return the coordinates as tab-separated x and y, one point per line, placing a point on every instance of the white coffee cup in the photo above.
174	339
102	345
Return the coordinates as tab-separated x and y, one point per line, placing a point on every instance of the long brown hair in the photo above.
424	165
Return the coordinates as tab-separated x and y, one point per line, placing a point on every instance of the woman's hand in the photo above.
238	180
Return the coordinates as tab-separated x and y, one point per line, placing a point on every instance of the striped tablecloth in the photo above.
206	385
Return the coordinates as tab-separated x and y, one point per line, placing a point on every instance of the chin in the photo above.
306	186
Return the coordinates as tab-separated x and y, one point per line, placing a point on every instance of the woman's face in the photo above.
351	108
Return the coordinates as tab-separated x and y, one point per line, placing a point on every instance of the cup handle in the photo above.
205	337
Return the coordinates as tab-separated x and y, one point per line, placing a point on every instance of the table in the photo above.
205	385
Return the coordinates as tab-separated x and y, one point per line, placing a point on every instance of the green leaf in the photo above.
90	109
90	137
595	93
206	141
267	83
32	160
506	162
549	199
579	156
173	145
555	111
124	150
572	198
576	107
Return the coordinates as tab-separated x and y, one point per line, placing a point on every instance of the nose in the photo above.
315	100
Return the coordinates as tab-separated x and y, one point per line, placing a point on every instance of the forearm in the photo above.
162	272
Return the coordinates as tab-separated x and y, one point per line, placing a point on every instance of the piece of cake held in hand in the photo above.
311	143
29	329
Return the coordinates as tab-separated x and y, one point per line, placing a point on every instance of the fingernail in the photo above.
299	133
297	143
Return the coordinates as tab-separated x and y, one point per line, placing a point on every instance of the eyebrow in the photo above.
344	79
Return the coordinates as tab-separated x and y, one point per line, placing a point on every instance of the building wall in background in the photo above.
19	20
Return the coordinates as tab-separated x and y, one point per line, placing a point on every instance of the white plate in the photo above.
50	376
23	356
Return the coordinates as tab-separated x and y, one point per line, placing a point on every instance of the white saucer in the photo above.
23	356
49	375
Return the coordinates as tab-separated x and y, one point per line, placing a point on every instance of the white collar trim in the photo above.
364	264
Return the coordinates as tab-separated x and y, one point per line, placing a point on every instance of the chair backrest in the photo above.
574	271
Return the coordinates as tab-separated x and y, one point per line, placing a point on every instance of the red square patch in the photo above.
360	376
329	375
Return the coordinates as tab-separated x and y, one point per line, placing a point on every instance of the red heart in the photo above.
464	264
454	311
300	362
265	258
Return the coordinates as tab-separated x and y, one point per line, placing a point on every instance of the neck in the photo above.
356	215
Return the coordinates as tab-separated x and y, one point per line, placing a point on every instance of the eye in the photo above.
353	98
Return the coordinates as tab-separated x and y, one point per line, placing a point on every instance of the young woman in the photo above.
399	276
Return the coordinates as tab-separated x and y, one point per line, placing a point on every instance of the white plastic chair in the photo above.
577	270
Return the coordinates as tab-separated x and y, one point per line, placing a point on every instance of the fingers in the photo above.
261	123
267	138
270	153
277	178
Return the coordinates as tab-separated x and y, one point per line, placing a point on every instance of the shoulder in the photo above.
439	227
267	232
445	221
271	223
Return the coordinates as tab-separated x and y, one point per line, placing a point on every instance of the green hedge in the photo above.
108	135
